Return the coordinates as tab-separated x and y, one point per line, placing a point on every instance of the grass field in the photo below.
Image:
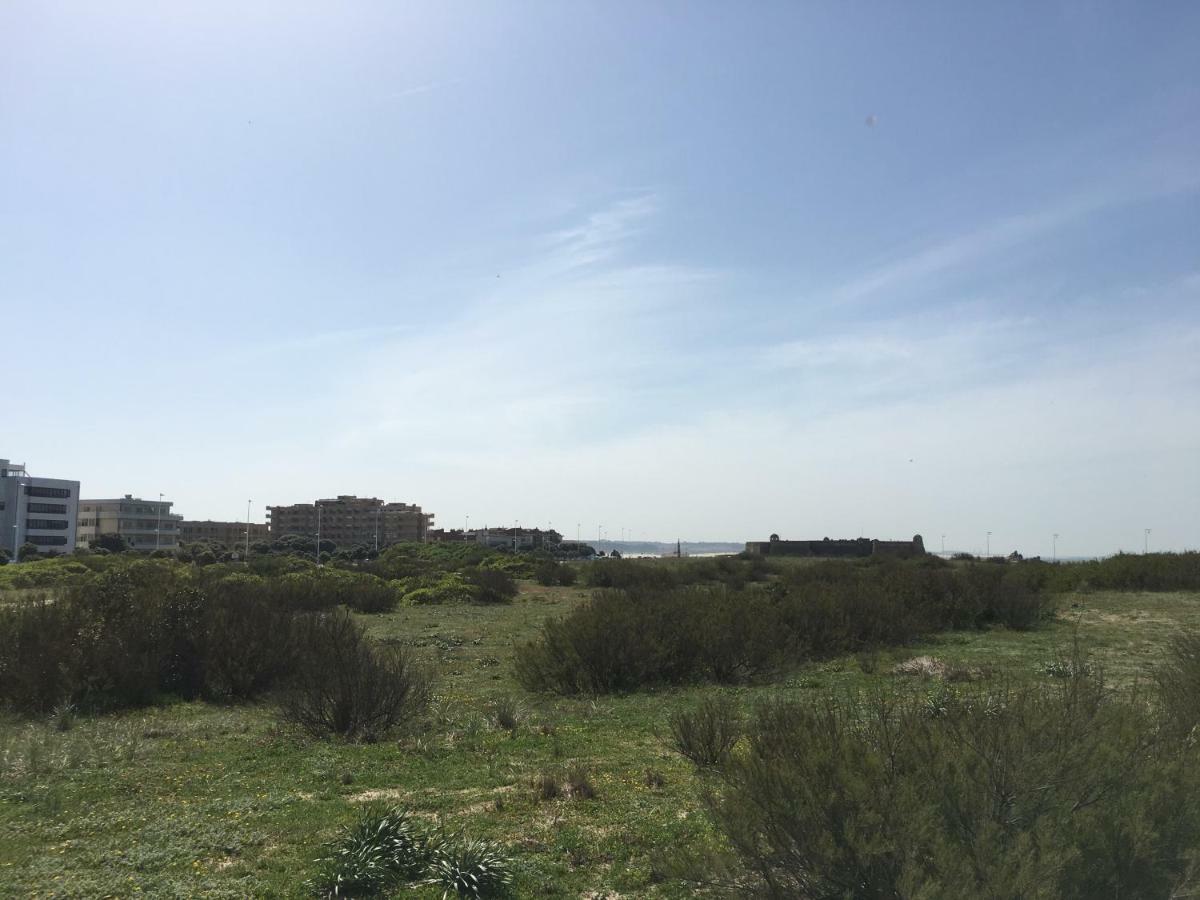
193	799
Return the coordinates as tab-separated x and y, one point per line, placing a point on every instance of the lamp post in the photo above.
989	545
247	556
17	522
1146	542
319	564
1055	557
158	523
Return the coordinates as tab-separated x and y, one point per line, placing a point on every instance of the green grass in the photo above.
193	799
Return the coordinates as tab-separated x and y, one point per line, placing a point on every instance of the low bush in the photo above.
623	639
345	685
1178	682
707	734
1056	789
492	585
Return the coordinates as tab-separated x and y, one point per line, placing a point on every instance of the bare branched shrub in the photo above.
344	684
707	734
1178	680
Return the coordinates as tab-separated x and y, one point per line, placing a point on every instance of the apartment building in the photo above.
144	524
516	538
38	511
348	520
231	534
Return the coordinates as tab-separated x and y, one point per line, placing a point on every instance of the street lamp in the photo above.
318	534
1056	546
1146	542
989	545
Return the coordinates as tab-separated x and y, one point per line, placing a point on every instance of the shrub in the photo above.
1178	681
492	585
1055	789
546	573
624	639
707	734
249	641
345	685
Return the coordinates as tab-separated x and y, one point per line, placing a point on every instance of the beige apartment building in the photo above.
348	520
231	534
145	524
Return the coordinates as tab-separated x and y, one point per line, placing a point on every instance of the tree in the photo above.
3	556
27	552
113	543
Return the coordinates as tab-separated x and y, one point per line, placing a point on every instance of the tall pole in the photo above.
943	545
158	525
17	522
989	545
318	535
577	532
468	527
1055	546
247	556
1146	542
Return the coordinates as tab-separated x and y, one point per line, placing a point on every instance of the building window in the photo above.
36	490
46	524
60	508
46	540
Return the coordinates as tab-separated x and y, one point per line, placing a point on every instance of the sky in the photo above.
670	270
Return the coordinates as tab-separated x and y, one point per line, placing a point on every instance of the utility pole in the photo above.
989	545
247	530
1146	542
1055	557
158	524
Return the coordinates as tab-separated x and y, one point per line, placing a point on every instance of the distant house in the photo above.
834	549
517	538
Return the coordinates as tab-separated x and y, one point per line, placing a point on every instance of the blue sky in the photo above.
706	270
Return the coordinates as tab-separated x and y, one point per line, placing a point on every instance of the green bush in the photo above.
492	585
707	734
343	684
1059	789
623	639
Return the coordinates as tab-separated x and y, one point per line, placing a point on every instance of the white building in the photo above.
38	511
145	524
